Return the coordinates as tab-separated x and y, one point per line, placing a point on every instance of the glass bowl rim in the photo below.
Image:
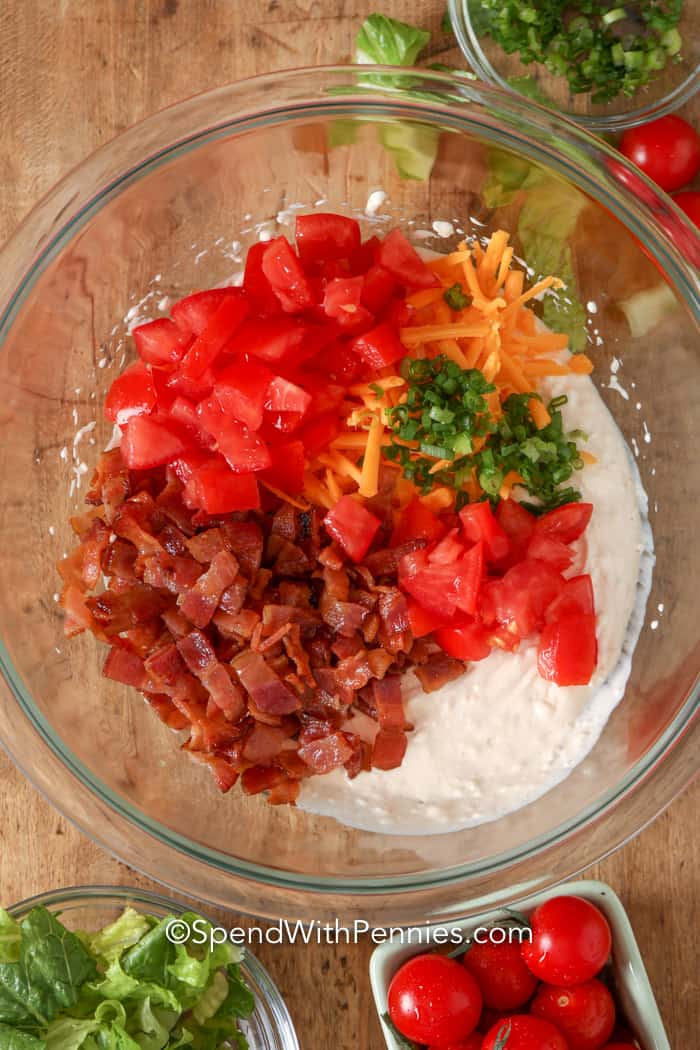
470	46
142	900
635	214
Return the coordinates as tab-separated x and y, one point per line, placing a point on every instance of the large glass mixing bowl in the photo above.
171	205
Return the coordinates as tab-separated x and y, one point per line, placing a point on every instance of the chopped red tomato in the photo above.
256	286
160	342
443	588
215	489
131	394
448	550
241	390
281	266
424	621
186	464
151	443
417	522
565	523
318	433
341	365
378	287
478	523
518	524
567	653
467	642
212	340
193	314
283	396
520	599
182	410
403	261
243	449
274	339
342	296
576	596
352	526
324	237
549	549
380	346
192	389
286	471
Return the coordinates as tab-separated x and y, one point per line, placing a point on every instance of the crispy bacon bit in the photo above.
263	686
126	667
389	702
327	753
245	539
389	748
438	671
200	602
200	658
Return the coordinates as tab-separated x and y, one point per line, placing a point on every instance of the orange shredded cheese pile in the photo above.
497	333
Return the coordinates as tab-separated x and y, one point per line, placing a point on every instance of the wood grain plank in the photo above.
71	76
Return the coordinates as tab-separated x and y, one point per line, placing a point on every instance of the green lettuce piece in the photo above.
10	936
212	998
384	41
124	933
239	1001
413	147
154	1025
68	1033
14	1039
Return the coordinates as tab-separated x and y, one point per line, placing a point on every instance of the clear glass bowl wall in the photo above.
92	907
171	206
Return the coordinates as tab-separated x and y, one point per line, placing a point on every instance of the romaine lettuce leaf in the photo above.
125	932
10	936
384	41
14	1039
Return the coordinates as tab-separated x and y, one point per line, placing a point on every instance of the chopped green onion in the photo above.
616	15
455	297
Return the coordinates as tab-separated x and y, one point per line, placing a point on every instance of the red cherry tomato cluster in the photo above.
542	994
668	151
241	386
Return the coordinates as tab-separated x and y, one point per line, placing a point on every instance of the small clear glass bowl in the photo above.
667	90
92	907
171	206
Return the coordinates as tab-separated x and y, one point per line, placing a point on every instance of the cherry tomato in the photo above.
472	1042
667	150
689	202
524	1033
499	970
433	999
571	941
585	1014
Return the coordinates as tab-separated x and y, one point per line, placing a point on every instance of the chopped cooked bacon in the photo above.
438	671
265	689
126	667
389	748
199	604
389	702
251	633
327	753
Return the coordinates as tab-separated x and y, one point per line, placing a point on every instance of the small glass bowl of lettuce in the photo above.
94	968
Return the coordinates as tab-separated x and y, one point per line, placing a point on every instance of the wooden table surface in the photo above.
72	75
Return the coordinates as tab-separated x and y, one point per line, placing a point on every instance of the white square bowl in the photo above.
632	983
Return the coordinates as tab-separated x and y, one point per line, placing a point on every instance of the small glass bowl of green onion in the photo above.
609	65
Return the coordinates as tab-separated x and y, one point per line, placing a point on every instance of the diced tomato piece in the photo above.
417	522
323	237
193	389
256	286
576	596
448	550
366	256
318	433
241	389
378	288
443	588
219	330
283	396
152	443
287	469
518	524
397	313
160	342
183	411
133	393
466	642
478	523
567	653
282	267
282	423
403	261
380	346
216	490
352	526
341	365
424	621
324	395
243	449
193	314
342	296
520	599
565	523
190	461
273	340
551	550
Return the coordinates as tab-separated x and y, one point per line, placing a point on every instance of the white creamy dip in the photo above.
500	736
